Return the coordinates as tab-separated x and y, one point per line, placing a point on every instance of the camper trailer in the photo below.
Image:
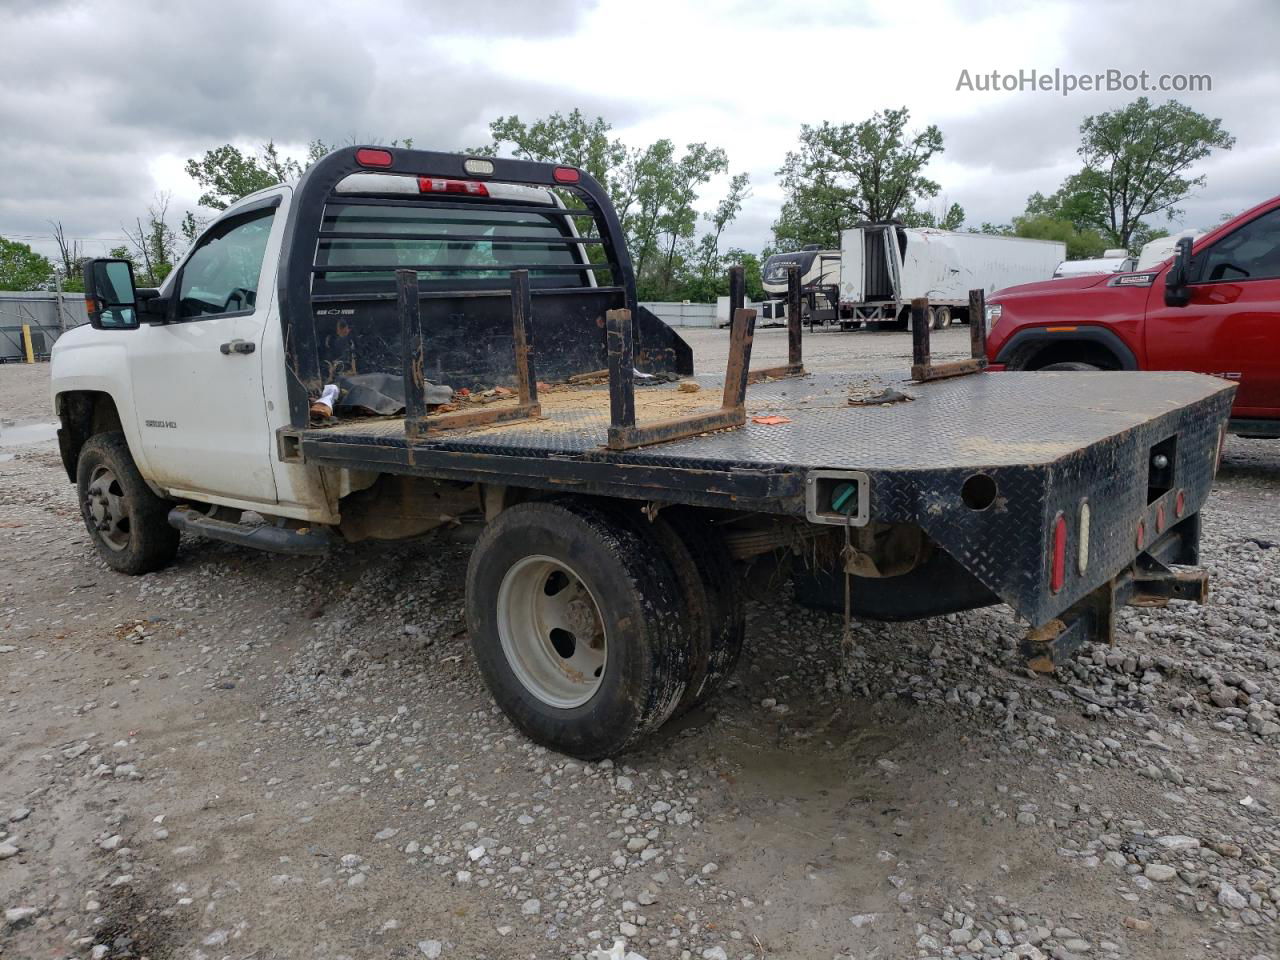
819	284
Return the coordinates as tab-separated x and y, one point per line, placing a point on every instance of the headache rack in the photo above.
484	325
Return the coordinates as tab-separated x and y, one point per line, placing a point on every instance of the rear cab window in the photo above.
459	248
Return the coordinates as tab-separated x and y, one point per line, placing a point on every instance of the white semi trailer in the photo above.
884	266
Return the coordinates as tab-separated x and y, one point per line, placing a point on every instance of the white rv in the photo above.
1156	252
884	266
819	278
1111	261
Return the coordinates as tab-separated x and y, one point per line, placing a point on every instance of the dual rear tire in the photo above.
593	626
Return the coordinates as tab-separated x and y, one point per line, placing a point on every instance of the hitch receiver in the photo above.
1146	583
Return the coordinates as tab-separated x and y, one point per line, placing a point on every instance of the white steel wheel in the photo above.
105	506
551	631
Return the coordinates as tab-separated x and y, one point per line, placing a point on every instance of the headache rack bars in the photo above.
314	227
624	432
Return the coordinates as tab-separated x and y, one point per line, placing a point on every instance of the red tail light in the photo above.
438	185
1160	519
1180	503
1141	538
1058	567
566	175
371	157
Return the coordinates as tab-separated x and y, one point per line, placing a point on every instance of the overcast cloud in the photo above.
101	103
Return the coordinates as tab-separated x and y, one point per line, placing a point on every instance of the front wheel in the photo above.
576	626
941	318
1069	365
128	523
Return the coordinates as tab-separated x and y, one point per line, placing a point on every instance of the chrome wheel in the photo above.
104	503
551	631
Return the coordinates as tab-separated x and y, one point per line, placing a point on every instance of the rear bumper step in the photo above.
303	541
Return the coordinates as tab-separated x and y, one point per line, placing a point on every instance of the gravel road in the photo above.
252	756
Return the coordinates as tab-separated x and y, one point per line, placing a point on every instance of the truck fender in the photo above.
1030	341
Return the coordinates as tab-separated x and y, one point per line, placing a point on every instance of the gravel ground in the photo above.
251	756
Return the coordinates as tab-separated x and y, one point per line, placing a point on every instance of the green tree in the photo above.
227	173
1136	161
951	219
844	173
573	140
1081	243
21	268
710	263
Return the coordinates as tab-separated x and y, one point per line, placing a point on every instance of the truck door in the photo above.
1231	327
197	380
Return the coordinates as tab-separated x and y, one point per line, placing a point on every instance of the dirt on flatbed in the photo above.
254	756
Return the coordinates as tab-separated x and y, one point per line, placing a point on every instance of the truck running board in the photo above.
299	541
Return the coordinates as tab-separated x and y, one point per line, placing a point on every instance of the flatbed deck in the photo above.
1048	442
1006	419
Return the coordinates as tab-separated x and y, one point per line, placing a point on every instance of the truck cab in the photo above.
1213	307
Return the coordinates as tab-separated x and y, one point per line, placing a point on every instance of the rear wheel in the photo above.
128	523
712	600
941	317
576	625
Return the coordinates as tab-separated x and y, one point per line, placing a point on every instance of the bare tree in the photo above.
69	252
154	242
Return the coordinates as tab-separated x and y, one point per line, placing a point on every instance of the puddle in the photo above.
19	434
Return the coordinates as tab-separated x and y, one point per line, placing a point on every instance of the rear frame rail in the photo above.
625	434
419	423
923	369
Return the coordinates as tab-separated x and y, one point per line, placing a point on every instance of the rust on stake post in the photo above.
418	422
794	366
922	366
625	434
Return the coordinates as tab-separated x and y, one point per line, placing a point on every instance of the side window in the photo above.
221	275
1250	253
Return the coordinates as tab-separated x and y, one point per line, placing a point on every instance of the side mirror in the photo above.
109	295
1176	293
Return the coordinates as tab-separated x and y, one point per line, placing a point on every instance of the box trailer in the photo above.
884	266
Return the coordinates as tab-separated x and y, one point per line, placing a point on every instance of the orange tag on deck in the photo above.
771	420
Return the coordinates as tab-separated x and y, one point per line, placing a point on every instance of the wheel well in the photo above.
1041	353
83	413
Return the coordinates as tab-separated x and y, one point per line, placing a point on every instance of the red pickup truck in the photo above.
1213	307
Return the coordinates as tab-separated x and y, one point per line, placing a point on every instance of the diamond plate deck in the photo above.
981	421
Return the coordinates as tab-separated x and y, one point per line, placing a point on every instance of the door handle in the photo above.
237	346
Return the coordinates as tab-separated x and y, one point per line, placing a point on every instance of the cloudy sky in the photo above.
101	103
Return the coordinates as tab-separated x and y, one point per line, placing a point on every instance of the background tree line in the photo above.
1135	169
